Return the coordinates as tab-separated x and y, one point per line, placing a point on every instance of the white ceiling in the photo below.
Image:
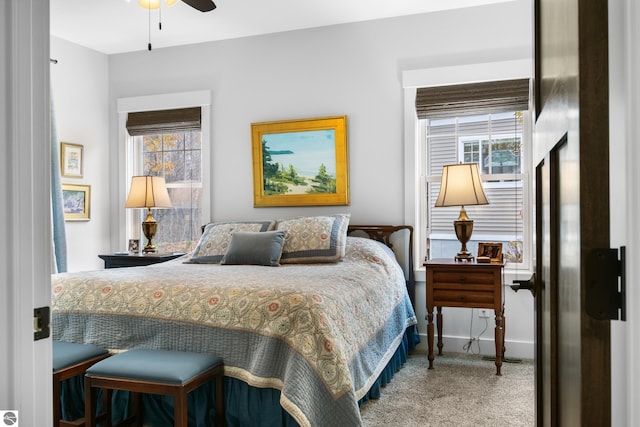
115	26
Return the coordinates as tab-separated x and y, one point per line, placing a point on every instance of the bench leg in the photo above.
180	418
220	414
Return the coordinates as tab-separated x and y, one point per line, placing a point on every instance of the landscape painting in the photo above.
300	162
76	201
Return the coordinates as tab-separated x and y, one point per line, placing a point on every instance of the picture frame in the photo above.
71	160
76	202
490	251
301	162
134	246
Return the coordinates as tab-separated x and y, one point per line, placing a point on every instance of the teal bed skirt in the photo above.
244	405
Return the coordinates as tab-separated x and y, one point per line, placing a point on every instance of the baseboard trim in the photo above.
514	349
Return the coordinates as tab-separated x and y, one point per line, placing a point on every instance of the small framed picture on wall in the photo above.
77	200
71	160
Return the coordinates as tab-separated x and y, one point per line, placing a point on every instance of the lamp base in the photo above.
464	257
463	228
149	249
149	228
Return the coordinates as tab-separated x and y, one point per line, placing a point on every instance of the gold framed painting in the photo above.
489	252
76	201
71	160
300	162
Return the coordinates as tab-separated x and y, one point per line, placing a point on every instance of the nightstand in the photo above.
137	260
452	283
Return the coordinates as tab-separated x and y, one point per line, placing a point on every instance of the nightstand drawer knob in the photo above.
463	279
463	297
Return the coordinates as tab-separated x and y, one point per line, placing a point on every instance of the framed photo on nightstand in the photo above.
134	246
489	252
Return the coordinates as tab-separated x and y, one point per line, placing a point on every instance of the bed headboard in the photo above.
384	233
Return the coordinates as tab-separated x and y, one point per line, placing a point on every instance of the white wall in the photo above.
352	69
80	93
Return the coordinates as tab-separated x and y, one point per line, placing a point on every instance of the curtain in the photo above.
57	205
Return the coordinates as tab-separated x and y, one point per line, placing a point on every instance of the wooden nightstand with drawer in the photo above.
453	283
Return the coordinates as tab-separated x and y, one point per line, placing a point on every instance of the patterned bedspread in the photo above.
319	333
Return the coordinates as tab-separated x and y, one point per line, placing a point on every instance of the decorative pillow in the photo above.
216	236
255	248
314	239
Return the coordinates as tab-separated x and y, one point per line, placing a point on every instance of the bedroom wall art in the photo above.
76	200
71	159
300	162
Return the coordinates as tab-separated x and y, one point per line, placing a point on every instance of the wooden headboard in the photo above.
383	233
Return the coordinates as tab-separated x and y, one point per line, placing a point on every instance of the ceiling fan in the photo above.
201	5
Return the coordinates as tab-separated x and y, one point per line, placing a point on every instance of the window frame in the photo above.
489	181
125	168
415	183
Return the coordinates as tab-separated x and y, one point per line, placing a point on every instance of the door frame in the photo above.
25	218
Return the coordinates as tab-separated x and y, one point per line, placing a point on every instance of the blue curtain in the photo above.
57	205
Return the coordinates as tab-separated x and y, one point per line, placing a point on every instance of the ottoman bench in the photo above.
164	372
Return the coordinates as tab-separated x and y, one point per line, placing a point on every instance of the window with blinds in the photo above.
491	132
168	143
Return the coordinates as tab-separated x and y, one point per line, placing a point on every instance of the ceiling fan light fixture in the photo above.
155	4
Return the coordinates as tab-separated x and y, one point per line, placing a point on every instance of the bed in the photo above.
311	316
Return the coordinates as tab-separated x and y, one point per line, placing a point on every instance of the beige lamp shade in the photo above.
460	186
148	192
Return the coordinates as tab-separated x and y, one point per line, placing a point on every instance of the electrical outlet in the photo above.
484	314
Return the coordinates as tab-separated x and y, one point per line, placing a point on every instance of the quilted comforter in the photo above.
320	333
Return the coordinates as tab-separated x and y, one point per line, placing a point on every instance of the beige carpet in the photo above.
461	390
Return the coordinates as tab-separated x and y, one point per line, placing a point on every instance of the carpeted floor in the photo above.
461	390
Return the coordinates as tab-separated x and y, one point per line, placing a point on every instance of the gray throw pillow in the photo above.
215	240
255	248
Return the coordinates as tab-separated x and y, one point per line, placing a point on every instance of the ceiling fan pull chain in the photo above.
160	16
149	45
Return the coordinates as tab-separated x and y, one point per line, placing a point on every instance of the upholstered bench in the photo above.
70	360
171	373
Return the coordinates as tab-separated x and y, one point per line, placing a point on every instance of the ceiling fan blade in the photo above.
201	5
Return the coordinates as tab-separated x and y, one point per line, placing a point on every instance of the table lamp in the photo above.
148	192
461	186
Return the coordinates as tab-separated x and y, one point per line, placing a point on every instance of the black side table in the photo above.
127	260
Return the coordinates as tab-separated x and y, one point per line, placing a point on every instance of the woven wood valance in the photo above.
473	98
164	121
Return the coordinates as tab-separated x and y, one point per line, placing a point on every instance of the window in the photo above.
166	135
497	140
176	157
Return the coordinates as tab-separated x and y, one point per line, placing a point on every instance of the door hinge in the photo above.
606	293
41	323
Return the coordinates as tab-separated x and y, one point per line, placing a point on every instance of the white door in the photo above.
25	230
